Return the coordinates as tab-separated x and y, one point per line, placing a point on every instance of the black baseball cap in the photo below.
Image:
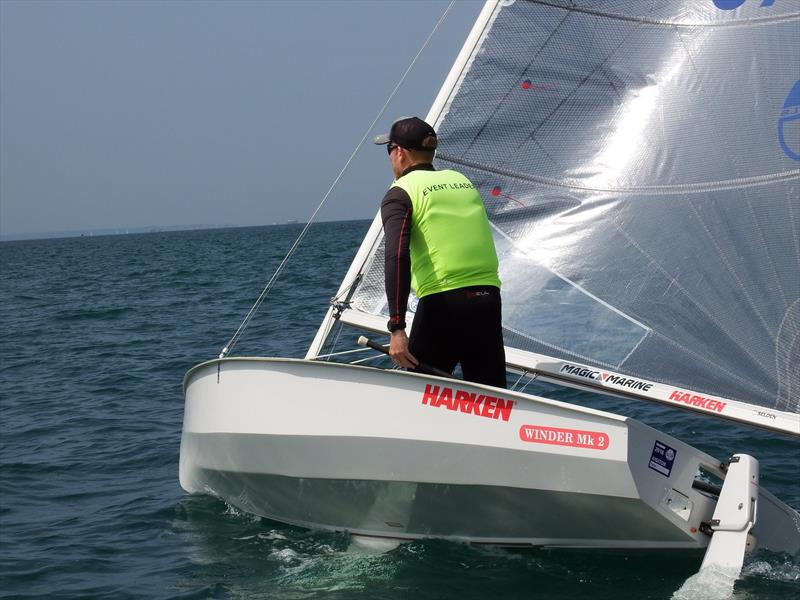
412	133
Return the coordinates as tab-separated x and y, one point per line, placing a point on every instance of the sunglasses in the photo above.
391	146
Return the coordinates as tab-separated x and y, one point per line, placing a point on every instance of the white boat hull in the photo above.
401	455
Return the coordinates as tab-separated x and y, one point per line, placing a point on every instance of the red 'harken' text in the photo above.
695	400
467	402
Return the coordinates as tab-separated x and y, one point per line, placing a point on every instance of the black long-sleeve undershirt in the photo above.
396	215
396	211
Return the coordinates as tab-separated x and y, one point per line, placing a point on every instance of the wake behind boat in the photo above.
648	249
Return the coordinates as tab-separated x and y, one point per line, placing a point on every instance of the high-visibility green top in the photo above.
451	243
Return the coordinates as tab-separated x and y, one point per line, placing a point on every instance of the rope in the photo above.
342	353
336	339
232	342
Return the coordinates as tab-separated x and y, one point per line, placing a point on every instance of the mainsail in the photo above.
640	165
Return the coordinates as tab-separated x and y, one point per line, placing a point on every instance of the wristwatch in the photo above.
394	325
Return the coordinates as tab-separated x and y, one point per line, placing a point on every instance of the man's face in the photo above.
396	159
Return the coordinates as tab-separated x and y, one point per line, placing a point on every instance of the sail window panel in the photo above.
370	296
539	306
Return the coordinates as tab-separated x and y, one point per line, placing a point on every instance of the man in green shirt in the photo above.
438	242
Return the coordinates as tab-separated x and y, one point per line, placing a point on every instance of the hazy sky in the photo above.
119	114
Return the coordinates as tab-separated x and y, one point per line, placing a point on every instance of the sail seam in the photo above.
763	239
656	190
783	363
735	277
732	158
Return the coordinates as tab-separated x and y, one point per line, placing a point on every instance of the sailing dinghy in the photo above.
640	165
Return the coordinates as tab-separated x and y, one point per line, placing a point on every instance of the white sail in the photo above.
640	164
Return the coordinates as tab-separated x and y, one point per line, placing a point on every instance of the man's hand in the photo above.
398	350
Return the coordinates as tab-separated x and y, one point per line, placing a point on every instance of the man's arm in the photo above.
396	215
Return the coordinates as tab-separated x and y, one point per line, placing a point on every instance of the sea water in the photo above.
97	333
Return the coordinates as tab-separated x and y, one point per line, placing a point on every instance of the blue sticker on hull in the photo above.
662	458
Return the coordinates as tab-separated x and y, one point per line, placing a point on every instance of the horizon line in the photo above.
110	231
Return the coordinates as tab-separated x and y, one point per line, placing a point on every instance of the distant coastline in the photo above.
140	230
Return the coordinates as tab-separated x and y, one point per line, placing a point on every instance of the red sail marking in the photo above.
497	191
529	85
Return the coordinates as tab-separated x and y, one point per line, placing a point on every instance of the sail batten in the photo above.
693	188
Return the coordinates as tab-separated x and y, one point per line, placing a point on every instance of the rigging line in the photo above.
521	375
232	342
369	358
336	339
342	352
531	378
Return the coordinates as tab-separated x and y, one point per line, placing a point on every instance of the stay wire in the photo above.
235	338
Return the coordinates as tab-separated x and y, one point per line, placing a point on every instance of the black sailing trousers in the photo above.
462	326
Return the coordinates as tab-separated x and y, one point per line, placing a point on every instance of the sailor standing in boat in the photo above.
438	242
